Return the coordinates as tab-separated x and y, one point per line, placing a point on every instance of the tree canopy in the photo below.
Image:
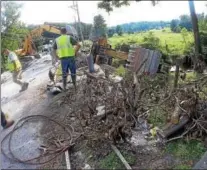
99	28
12	30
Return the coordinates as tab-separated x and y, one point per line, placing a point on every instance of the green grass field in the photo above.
174	41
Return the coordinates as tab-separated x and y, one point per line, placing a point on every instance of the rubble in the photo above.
108	108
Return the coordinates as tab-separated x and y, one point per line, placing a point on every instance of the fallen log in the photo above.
172	128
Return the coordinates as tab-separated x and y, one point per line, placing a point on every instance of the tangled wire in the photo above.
50	153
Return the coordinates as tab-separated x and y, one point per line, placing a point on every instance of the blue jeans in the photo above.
66	64
3	119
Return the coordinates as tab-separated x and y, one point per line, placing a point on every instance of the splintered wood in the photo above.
105	110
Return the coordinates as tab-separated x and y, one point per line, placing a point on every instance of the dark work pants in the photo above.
66	64
3	119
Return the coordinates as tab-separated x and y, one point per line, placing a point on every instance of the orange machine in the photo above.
29	47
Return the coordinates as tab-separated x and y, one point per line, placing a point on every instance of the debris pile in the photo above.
109	110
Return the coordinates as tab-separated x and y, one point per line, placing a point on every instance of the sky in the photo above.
38	12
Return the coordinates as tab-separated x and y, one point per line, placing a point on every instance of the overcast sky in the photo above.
37	12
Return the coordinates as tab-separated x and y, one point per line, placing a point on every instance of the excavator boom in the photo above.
29	47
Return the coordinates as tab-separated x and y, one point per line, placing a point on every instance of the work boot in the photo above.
74	81
64	84
8	124
24	87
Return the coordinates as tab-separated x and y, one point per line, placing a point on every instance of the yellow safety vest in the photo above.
11	67
64	47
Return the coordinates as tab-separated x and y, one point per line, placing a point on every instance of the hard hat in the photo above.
71	30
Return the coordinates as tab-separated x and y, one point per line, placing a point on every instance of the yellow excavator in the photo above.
29	47
103	52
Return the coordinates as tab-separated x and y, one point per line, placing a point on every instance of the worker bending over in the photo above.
63	49
15	67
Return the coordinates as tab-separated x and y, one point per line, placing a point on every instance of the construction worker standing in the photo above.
15	67
63	49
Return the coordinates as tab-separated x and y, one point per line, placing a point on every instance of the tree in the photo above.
99	27
10	14
178	29
194	21
12	30
184	33
202	22
119	30
109	5
111	32
185	22
174	23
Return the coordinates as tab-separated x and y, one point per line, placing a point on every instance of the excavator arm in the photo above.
29	47
104	50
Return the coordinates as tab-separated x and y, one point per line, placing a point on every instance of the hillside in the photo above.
143	26
174	41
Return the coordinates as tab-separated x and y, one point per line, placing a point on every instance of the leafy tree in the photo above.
185	22
184	33
111	32
99	28
10	14
12	30
173	25
119	30
142	26
110	5
178	29
150	41
202	22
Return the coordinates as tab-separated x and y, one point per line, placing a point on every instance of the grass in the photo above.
182	167
187	151
174	41
157	117
120	71
111	161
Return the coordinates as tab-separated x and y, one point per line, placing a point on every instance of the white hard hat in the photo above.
71	30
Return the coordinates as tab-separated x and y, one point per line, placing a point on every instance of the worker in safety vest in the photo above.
63	49
15	67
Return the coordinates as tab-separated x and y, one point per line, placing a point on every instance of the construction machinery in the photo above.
29	47
103	52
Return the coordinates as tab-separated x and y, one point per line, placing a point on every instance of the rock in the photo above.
87	166
116	79
138	139
100	110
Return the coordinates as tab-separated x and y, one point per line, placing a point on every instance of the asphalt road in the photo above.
17	105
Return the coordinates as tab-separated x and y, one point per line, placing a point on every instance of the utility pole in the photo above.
75	7
76	27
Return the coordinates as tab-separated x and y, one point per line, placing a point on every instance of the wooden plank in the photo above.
117	54
121	157
67	159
